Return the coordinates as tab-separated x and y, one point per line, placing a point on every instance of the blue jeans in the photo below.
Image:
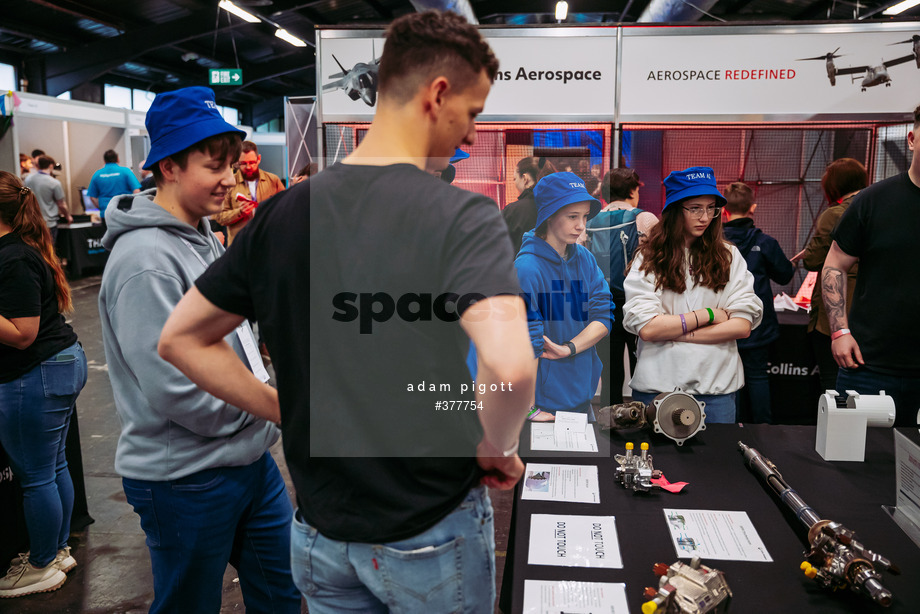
448	568
756	383
905	391
35	413
197	524
719	408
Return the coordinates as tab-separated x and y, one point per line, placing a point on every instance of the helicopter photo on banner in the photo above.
871	75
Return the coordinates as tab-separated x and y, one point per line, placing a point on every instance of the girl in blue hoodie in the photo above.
568	301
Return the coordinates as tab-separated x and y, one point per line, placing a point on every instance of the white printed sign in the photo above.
770	73
574	541
539	76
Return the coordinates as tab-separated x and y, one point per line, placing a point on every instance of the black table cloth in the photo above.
848	492
81	246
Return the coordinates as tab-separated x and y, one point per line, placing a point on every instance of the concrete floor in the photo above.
113	574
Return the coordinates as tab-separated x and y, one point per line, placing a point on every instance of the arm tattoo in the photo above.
833	291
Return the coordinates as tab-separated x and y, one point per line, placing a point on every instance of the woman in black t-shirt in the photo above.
42	370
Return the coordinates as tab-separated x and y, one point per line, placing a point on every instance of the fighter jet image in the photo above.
871	75
359	82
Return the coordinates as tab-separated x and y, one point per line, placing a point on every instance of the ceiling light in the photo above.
900	7
562	9
232	8
287	36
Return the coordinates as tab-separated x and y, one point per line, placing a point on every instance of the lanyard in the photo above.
243	331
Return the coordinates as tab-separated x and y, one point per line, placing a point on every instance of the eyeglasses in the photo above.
697	212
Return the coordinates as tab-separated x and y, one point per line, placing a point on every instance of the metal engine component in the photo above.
687	589
835	560
675	414
623	416
636	472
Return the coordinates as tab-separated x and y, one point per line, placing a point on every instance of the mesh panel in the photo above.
490	168
892	156
782	164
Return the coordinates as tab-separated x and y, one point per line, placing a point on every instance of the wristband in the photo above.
683	323
571	347
503	453
840	333
697	318
712	316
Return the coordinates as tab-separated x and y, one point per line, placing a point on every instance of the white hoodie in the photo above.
696	368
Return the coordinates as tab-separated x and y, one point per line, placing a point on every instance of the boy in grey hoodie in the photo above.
196	470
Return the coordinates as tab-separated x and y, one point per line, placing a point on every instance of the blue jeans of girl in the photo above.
35	412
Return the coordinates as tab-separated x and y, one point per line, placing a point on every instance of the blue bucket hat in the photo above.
555	191
690	182
459	154
176	120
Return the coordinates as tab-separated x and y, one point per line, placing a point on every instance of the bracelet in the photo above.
504	453
683	323
571	347
712	316
697	318
840	333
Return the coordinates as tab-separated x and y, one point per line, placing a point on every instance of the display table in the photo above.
795	385
847	492
81	245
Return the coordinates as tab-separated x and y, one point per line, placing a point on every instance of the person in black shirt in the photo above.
521	215
42	370
878	345
369	280
766	261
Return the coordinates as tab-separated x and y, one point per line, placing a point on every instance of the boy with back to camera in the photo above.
766	261
196	469
391	485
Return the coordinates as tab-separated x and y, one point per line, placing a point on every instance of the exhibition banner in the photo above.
541	76
673	73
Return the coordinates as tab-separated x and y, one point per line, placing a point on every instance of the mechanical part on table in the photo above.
842	423
636	472
835	560
687	589
675	414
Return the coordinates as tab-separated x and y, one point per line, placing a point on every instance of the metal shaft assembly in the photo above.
835	559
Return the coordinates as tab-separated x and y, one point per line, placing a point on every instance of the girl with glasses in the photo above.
689	297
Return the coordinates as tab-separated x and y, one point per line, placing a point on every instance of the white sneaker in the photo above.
23	579
63	561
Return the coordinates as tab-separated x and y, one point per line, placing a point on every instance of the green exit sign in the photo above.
225	76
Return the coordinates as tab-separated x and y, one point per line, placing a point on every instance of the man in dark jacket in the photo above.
766	261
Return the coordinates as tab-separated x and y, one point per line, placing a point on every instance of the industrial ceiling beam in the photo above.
271	70
80	10
64	71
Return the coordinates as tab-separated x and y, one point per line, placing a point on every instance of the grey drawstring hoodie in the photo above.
169	427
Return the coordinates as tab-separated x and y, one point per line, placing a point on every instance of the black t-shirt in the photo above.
356	277
520	216
882	228
27	290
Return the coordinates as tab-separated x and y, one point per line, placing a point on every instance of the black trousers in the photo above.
610	350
